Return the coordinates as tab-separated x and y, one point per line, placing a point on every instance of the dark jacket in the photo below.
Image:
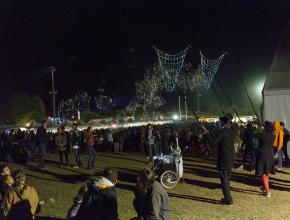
226	150
75	138
41	136
285	137
265	162
248	137
99	203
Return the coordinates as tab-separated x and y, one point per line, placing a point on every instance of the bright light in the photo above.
175	117
27	124
259	87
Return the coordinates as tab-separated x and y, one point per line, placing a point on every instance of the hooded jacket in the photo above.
100	201
21	203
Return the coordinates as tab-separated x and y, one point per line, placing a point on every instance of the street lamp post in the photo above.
53	92
198	104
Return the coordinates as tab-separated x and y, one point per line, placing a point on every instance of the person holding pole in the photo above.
225	156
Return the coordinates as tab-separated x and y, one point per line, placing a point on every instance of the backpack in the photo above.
93	205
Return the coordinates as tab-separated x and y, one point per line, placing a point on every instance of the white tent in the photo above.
276	91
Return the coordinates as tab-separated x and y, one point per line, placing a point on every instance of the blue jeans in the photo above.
42	151
31	150
8	158
92	155
77	157
152	150
280	157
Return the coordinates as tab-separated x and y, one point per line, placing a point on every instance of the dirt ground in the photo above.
197	198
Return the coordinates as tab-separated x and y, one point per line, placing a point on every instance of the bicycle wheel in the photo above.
169	179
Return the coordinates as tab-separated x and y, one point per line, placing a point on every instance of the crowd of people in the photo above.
98	197
21	146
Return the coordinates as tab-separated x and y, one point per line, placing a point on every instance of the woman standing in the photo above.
265	164
90	142
151	200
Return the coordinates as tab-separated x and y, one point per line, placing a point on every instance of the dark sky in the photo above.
89	41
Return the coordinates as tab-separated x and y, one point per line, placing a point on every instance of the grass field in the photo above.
197	198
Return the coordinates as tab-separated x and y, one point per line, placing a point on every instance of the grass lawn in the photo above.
197	198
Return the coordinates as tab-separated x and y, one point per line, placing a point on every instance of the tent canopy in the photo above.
279	75
276	92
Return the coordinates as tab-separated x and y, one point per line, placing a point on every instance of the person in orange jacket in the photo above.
278	143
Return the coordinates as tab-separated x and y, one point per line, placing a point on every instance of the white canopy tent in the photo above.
276	91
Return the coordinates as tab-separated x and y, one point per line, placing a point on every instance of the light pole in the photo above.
53	92
179	107
185	106
198	104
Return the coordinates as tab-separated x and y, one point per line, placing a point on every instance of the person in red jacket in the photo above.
90	142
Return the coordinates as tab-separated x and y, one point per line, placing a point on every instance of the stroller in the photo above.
168	169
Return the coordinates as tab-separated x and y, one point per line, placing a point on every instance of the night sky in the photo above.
90	41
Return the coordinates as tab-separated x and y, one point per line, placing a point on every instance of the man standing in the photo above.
61	143
41	140
225	156
100	201
31	145
278	143
248	139
76	143
285	141
110	141
151	142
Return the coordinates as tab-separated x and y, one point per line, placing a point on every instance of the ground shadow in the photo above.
282	172
47	218
199	166
247	179
52	162
201	160
279	180
196	198
253	180
123	158
247	191
127	174
125	186
201	172
74	170
68	178
208	185
280	188
41	178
